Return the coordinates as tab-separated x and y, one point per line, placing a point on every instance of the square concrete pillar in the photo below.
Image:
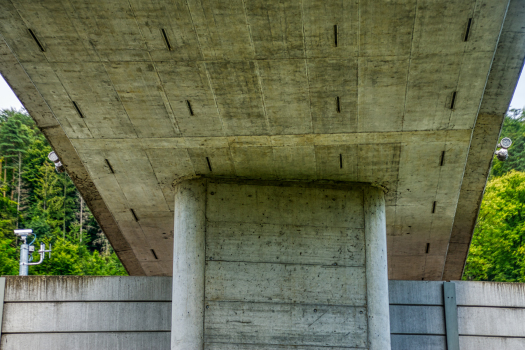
264	265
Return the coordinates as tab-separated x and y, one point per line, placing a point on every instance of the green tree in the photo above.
497	251
33	195
513	127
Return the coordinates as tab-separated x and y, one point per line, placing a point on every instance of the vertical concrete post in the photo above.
2	296
376	270
187	323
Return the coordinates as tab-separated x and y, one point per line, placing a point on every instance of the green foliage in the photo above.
513	127
49	204
497	251
498	247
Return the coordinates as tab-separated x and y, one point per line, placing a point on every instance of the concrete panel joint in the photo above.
2	293
451	315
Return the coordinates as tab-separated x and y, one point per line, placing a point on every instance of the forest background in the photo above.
33	195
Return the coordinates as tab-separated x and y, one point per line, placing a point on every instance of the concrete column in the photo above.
286	264
187	325
376	270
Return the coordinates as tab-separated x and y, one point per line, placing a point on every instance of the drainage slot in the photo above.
335	35
467	31
166	40
109	166
338	104
134	215
155	255
37	41
453	100
434	207
442	161
340	161
78	109
209	164
189	107
428	247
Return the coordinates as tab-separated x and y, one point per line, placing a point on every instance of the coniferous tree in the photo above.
46	202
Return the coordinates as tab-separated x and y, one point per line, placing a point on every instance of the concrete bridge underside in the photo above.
137	95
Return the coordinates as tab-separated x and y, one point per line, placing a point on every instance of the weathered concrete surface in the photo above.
287	264
263	80
376	269
504	73
189	252
484	307
67	312
490	315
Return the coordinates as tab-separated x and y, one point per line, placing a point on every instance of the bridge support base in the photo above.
279	265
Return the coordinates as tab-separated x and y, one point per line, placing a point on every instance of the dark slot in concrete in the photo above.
155	255
467	30
78	109
109	166
166	40
453	100
209	164
36	40
189	107
134	215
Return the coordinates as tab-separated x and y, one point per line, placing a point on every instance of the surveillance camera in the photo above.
26	232
502	154
505	143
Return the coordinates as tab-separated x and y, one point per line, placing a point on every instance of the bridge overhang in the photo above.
399	94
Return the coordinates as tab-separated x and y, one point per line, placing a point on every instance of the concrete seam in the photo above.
2	297
365	209
204	274
408	68
451	315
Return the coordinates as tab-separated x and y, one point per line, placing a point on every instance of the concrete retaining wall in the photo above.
491	316
86	313
134	313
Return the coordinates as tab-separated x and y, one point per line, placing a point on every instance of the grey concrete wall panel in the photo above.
87	288
419	342
417	319
490	294
491	343
46	317
87	341
286	265
376	269
489	315
228	241
491	321
218	346
415	292
188	265
286	324
282	283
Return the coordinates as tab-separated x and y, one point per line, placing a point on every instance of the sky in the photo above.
8	98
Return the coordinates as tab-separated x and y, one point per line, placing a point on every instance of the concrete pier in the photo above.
279	264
